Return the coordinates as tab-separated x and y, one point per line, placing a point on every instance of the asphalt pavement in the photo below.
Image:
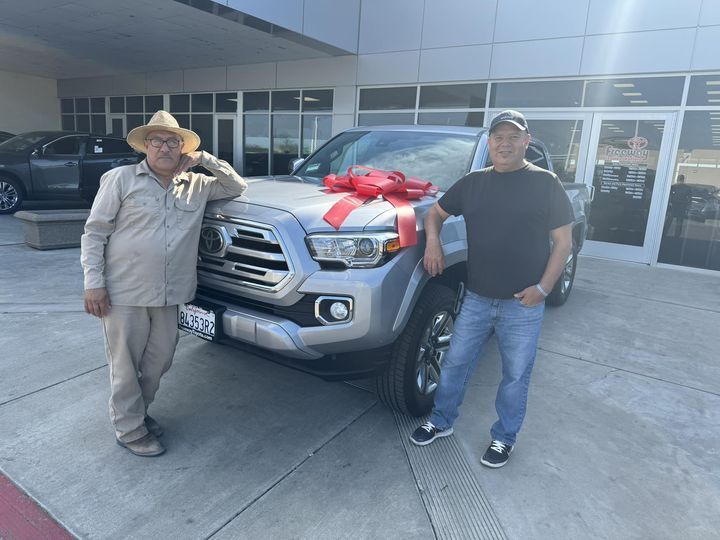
621	438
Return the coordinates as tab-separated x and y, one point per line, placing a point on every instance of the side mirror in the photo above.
295	163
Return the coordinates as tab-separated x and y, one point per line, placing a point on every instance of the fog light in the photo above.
339	310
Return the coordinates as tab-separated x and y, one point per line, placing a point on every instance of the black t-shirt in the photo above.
508	217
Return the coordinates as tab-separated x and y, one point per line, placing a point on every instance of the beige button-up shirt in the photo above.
141	239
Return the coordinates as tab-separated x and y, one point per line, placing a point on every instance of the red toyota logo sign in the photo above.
637	143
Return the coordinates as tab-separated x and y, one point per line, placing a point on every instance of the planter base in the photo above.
53	229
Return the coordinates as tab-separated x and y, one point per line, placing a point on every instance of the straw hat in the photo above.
163	121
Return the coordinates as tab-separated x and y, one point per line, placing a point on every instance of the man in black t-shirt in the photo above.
511	211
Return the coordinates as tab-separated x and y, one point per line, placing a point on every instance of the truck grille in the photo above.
242	253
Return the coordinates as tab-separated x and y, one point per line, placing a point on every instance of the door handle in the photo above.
592	193
70	164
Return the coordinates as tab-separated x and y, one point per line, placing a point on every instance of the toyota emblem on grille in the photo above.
212	241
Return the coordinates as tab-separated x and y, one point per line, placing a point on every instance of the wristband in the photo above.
542	291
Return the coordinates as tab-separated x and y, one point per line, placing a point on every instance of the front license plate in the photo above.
203	321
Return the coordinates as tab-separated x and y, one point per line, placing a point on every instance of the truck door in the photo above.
55	168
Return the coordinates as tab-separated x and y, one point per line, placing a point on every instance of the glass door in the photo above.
627	169
117	125
225	139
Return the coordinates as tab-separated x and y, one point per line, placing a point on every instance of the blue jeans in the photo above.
517	328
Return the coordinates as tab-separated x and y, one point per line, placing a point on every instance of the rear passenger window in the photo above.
67	146
536	156
109	146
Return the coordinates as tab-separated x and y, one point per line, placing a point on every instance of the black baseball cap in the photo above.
514	117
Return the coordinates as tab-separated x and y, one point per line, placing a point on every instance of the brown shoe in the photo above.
153	427
147	446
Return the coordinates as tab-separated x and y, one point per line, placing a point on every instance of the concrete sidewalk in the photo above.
621	437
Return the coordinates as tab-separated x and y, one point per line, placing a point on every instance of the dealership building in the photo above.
625	94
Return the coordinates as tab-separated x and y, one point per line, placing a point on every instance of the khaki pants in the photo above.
139	343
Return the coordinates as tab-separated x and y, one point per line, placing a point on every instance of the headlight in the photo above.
354	250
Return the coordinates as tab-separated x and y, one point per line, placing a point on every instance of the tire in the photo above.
560	293
11	195
409	383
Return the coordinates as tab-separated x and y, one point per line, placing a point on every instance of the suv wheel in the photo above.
411	378
560	293
10	195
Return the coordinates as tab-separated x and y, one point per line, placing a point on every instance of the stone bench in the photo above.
53	229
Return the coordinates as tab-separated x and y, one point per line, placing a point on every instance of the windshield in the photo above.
440	158
20	143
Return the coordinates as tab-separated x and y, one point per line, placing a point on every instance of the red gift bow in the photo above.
394	188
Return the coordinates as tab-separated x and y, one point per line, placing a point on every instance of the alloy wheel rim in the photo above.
8	195
567	273
434	344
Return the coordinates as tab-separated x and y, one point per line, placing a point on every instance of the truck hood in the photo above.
308	201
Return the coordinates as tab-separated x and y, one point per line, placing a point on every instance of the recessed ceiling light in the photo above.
624	85
711	92
712	83
632	93
638	101
713	100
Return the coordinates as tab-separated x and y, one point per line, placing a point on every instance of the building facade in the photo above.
624	93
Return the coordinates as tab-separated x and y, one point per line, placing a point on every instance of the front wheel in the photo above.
10	195
409	383
560	293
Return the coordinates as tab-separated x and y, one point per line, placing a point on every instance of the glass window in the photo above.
226	102
97	105
691	233
117	104
285	141
183	120
454	96
202	124
379	99
134	104
133	121
316	131
286	100
536	94
180	103
153	104
639	92
562	139
474	119
226	139
82	122
67	146
98	124
67	106
704	90
256	101
109	146
68	122
82	105
380	119
256	144
317	100
202	102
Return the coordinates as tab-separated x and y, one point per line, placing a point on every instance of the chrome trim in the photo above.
325	322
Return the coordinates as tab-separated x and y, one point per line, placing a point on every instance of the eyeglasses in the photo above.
156	142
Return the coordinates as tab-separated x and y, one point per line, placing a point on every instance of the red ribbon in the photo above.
391	185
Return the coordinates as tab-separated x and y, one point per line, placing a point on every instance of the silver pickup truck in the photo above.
275	278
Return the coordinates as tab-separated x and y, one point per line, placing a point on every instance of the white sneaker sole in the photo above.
445	433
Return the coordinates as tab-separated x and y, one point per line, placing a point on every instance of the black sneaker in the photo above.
427	433
496	455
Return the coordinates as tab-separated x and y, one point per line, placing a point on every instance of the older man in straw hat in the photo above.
139	253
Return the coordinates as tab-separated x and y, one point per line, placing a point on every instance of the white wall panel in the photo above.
519	20
344	100
710	13
455	63
285	13
205	79
129	84
334	71
341	122
449	23
707	52
387	68
334	22
28	103
544	58
617	16
251	76
165	82
640	52
92	86
390	26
